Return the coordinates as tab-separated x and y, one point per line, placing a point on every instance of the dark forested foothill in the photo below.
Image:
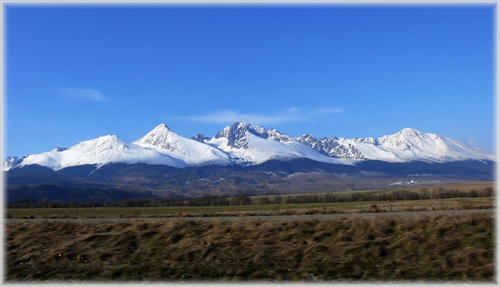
272	177
53	196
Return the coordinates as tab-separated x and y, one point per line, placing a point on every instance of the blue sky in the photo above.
74	73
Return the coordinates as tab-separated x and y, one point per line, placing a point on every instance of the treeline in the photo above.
206	200
242	199
393	196
59	196
45	203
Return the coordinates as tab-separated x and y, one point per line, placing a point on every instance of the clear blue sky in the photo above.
75	73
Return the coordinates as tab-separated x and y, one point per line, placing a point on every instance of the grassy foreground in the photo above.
355	249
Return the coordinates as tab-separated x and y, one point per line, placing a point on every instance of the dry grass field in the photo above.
255	209
424	248
283	208
429	248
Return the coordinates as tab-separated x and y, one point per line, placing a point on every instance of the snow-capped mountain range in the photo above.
249	144
406	145
245	144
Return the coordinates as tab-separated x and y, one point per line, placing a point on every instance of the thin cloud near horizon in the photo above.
83	94
289	115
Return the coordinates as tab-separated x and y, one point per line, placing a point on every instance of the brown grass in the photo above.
254	210
385	248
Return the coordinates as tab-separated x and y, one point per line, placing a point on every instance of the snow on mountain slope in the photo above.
242	143
334	147
406	145
165	141
410	144
99	151
254	145
10	162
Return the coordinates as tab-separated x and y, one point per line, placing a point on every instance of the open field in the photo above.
257	209
434	248
393	247
431	187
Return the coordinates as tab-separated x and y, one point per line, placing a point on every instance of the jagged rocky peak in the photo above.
312	142
237	134
335	147
60	149
278	136
200	138
243	143
11	162
160	137
306	137
372	141
232	129
411	132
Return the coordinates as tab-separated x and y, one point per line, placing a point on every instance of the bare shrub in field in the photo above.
384	248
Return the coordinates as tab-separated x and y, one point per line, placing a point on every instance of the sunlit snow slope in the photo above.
404	146
245	144
100	151
250	144
163	140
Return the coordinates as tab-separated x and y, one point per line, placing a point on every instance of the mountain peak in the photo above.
241	124
161	127
235	134
411	132
244	143
200	138
161	137
241	127
192	152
